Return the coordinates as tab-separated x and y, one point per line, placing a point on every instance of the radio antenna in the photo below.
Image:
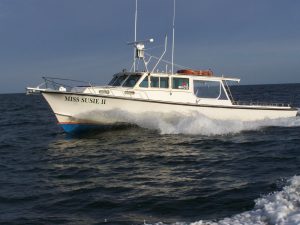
173	36
135	25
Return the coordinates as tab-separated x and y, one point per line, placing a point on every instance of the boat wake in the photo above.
192	124
282	207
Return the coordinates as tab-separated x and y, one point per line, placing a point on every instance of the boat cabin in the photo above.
200	86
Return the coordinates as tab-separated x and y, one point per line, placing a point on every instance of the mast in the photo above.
135	25
173	36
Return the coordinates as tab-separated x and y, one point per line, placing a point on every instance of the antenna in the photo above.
162	55
173	37
135	25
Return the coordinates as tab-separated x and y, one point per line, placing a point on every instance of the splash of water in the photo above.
194	124
280	208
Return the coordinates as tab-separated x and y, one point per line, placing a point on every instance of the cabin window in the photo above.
144	83
154	82
119	80
181	83
131	81
164	82
209	89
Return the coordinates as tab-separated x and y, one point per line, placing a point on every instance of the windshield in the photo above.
131	81
118	80
113	81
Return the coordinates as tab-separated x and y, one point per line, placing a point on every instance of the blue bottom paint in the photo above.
75	128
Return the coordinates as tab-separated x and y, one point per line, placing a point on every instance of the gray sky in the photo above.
257	41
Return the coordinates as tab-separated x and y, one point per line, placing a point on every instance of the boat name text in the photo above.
90	100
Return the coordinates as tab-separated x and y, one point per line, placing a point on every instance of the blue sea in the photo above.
160	171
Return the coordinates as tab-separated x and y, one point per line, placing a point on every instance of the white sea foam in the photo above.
280	208
195	123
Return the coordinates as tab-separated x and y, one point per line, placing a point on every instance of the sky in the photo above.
257	41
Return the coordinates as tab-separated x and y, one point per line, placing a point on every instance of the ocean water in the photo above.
162	170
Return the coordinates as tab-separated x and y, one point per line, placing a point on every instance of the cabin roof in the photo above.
195	77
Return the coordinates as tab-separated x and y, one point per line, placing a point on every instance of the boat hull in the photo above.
75	111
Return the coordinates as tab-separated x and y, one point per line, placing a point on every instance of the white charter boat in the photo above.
148	91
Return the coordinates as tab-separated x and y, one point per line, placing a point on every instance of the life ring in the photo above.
196	72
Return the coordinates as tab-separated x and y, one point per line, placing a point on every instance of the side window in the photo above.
144	83
164	82
209	89
154	82
180	83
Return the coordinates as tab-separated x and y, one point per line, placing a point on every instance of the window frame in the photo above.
142	80
181	89
220	88
151	81
168	82
167	78
118	76
136	82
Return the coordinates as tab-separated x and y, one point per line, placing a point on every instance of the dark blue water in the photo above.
196	169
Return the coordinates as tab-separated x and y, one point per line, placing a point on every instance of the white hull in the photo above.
144	91
74	108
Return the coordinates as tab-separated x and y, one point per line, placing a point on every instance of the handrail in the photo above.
227	89
57	78
56	83
258	103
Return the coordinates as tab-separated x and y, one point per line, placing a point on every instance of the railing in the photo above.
258	103
227	88
54	83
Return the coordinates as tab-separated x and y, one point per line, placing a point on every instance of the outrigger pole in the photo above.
173	37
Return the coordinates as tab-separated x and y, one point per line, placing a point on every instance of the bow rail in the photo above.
60	84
